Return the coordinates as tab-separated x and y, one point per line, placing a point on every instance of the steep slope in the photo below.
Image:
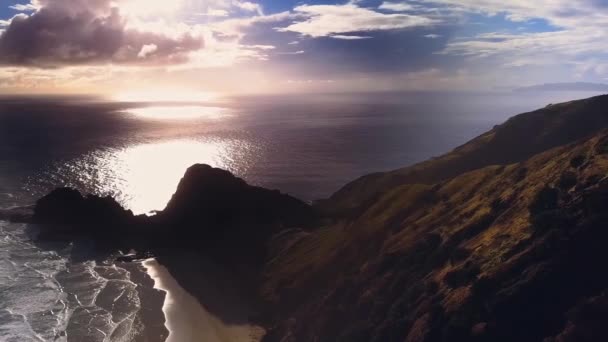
515	140
502	253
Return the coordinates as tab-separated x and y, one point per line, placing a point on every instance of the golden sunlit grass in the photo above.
483	215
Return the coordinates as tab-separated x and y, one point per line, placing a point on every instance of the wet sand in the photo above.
152	300
189	321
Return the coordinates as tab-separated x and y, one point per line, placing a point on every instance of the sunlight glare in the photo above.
145	8
146	176
165	95
180	112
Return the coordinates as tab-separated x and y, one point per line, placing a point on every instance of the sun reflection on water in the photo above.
147	175
144	177
180	112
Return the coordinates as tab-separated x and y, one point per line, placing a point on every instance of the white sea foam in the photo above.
46	297
33	302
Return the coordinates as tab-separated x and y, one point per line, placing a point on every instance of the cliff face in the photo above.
500	253
212	198
517	139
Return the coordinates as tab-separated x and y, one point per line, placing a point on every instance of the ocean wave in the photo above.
46	296
34	304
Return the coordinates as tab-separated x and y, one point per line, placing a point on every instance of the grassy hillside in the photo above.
515	140
455	250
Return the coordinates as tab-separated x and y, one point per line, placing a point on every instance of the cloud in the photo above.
262	47
432	36
300	52
560	13
214	13
396	7
249	6
558	34
25	7
516	47
5	23
147	50
328	20
68	32
236	27
346	37
220	8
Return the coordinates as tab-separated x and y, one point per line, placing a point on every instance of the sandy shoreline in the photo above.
189	321
151	317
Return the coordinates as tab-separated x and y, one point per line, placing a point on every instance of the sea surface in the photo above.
308	146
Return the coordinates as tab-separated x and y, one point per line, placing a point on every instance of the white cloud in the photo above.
147	50
346	37
261	47
25	7
19	16
432	36
292	53
562	13
328	20
250	6
215	13
396	6
565	42
295	42
572	31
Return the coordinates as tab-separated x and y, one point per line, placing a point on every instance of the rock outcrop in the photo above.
65	214
208	198
209	205
67	206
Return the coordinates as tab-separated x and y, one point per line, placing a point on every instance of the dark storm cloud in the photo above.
68	32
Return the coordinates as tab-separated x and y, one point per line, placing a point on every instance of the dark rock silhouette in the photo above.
207	198
67	206
209	204
65	214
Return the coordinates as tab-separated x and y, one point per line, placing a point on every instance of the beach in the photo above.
188	320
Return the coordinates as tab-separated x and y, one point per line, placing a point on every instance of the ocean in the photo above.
305	145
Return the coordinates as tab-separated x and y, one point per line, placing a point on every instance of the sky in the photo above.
183	48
